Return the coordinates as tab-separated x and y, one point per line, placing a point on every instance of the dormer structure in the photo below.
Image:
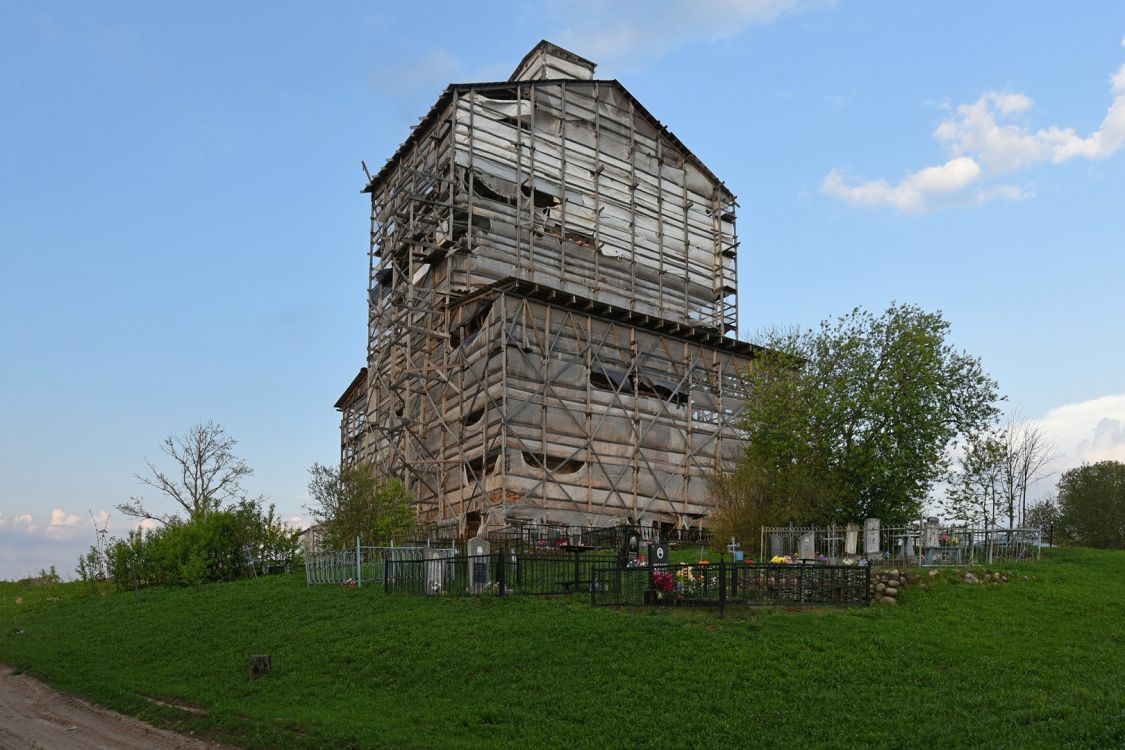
552	301
547	61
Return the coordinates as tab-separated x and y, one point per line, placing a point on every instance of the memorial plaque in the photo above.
658	553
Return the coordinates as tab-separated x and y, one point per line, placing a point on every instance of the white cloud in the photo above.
3	521
912	193
1106	444
27	522
1087	432
1004	146
63	525
990	136
59	517
636	30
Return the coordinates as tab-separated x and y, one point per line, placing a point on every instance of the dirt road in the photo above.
35	717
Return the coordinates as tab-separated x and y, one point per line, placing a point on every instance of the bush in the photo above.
221	546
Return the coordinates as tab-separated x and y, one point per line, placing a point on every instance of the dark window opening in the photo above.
467	330
473	417
539	198
609	379
383	279
516	123
472	523
554	464
484	190
479	468
665	390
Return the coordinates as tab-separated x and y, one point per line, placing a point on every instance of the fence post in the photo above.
387	575
358	570
1050	535
577	571
722	588
652	576
500	576
867	584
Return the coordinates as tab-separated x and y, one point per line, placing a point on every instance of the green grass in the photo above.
1039	662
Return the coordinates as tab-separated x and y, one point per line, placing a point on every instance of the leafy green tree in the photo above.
353	501
1092	504
976	491
1042	515
854	419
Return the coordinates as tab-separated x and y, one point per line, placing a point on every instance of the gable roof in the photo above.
349	394
446	97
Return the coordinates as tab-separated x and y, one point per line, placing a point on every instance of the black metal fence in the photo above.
546	536
501	574
727	584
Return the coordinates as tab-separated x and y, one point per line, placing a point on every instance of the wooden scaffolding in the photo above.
552	292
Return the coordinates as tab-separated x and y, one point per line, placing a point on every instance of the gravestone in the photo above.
851	539
630	547
479	550
871	537
658	554
806	546
434	565
777	547
931	534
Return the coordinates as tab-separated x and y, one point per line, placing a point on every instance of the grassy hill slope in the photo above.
1039	662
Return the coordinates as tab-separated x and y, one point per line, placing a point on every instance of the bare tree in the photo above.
206	474
1026	451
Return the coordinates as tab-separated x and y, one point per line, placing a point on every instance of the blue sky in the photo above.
182	236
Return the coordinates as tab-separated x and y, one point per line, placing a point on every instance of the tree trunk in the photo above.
260	665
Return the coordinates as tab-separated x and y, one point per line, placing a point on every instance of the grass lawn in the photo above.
1038	662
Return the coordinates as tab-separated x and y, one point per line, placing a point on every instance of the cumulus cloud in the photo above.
912	192
632	30
990	134
1087	432
26	523
979	130
63	525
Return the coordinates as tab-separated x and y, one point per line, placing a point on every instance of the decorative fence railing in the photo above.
594	537
360	565
502	574
912	544
726	584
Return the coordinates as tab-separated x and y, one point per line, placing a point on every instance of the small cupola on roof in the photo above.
547	61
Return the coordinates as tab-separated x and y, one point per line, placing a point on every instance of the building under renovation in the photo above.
552	305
